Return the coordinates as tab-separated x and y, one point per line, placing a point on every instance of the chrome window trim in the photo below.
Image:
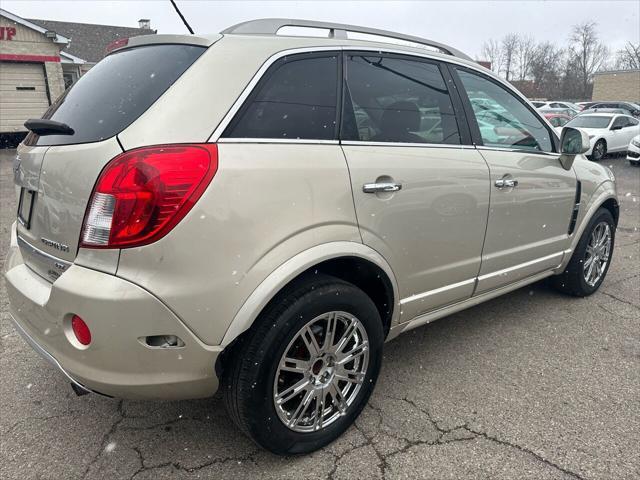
434	56
522	265
278	140
428	293
359	143
517	150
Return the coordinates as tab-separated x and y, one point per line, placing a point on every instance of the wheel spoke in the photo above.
350	376
330	331
352	354
295	365
292	391
302	407
588	262
319	413
346	336
338	398
310	342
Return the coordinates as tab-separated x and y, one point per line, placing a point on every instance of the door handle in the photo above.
381	187
506	183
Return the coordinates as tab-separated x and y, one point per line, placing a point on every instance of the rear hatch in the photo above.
56	173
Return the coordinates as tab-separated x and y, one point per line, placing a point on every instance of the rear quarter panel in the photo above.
267	203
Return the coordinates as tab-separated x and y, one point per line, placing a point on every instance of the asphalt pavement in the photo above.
532	385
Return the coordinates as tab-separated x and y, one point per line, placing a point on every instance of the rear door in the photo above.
628	129
421	190
55	174
532	196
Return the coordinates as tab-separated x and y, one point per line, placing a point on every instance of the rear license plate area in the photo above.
25	207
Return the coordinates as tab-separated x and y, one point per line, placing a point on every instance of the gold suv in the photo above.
261	212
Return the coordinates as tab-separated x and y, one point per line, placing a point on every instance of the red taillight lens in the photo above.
81	330
142	194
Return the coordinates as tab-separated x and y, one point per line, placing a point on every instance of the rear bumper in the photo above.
120	315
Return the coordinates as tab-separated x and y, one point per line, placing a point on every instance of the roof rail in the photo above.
270	26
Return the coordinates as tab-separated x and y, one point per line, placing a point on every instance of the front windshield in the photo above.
590	121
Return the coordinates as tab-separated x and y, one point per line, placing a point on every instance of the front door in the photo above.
420	189
532	196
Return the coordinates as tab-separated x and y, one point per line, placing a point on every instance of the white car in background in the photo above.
608	132
633	151
575	109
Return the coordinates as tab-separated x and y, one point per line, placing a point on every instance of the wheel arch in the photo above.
350	261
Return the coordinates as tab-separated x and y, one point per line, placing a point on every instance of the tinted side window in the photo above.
114	93
297	98
504	120
619	122
395	99
633	122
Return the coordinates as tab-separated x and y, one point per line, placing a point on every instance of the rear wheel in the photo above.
591	259
599	150
304	372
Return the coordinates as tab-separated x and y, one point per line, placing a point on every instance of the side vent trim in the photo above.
576	208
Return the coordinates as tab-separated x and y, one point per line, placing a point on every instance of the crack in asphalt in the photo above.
106	437
525	450
145	468
611	295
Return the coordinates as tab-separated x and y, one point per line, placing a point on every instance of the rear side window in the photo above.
114	93
296	99
395	99
504	120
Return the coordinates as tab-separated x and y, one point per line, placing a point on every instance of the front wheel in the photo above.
591	259
304	372
599	150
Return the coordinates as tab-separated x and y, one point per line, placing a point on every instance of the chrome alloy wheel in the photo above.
598	253
321	372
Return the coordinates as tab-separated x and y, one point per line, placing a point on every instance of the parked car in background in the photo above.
633	151
558	120
538	103
251	232
628	107
608	133
559	111
603	110
557	104
584	105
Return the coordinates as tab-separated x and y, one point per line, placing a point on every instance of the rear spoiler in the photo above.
152	39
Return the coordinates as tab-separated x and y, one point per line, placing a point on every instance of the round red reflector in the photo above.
81	330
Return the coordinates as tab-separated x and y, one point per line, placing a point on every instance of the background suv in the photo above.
261	212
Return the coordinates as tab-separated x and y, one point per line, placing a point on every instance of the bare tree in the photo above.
492	52
587	51
509	51
546	69
525	53
629	57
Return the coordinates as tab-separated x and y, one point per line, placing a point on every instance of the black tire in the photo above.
248	374
599	150
572	281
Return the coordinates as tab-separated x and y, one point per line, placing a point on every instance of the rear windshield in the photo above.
110	96
590	121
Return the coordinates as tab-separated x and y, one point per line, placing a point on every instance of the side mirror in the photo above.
573	141
616	127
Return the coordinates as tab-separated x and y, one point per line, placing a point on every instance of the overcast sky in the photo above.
462	24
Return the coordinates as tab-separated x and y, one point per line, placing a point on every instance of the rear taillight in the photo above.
142	194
